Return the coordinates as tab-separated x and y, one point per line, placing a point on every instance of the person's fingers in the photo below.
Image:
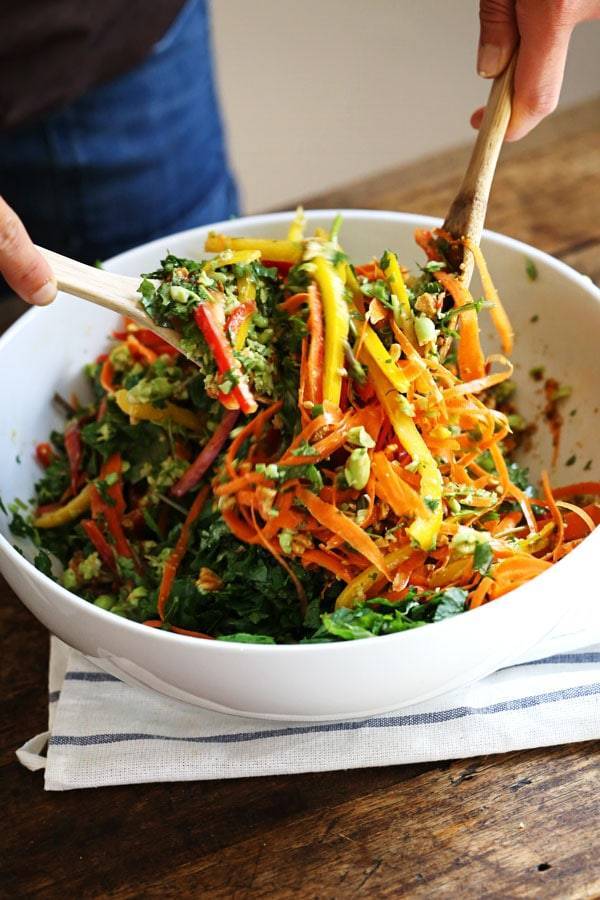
497	36
540	66
477	117
25	270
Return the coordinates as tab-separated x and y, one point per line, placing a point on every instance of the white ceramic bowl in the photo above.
45	351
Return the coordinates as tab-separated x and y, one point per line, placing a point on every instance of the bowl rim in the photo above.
525	593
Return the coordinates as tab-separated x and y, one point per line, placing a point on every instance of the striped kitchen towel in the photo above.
103	732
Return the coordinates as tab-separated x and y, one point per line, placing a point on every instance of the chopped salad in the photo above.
335	462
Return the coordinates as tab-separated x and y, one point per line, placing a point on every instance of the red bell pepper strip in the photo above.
315	349
74	453
207	455
223	354
104	549
179	550
575	527
281	265
113	511
155	342
44	454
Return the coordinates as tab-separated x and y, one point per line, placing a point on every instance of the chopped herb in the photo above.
531	269
482	558
571	460
537	373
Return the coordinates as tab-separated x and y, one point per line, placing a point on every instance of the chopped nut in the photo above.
395	351
300	542
208	580
376	311
427	304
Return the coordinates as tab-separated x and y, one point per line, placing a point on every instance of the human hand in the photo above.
543	28
25	270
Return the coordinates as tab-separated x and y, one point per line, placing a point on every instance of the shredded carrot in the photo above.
497	311
336	522
140	351
107	374
471	362
179	551
555	513
514	571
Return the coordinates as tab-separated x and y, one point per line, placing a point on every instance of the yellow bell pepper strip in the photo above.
424	529
373	353
296	229
392	272
368	347
337	323
354	288
150	413
232	258
370	578
275	250
238	323
67	513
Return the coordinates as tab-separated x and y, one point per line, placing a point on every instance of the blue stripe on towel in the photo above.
561	658
391	721
90	676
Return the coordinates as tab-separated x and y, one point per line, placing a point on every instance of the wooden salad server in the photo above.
118	293
467	212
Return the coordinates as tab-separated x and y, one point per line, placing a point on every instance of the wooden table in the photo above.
520	825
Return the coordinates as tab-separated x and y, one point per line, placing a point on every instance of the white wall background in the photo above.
319	92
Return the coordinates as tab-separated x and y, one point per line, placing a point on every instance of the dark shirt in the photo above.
53	51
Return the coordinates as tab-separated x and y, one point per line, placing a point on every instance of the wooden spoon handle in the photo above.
115	292
467	213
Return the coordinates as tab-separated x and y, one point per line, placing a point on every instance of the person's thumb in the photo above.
497	36
23	267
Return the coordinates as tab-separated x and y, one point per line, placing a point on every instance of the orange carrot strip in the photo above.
471	362
555	513
326	561
497	312
514	571
140	351
107	374
179	551
240	529
393	490
334	520
293	303
252	428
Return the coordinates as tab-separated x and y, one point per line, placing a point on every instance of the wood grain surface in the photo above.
521	825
